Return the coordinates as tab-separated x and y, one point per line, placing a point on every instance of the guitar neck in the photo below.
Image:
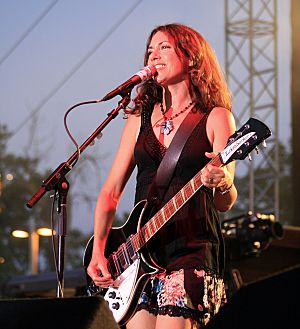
170	208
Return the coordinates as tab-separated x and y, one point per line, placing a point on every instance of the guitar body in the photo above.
123	297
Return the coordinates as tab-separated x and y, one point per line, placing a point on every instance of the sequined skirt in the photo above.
194	294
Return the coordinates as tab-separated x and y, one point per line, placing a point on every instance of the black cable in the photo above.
28	31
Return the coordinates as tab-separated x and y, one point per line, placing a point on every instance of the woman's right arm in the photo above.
108	200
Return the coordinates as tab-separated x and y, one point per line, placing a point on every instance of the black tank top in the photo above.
192	237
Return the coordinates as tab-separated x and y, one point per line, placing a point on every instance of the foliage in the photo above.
24	181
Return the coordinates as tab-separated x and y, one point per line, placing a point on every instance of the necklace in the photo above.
167	125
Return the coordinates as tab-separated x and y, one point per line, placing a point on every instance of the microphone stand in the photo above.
63	188
57	182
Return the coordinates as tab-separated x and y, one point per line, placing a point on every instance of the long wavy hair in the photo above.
208	85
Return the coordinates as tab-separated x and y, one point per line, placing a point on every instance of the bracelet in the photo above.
225	191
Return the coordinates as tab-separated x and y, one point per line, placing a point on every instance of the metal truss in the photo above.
251	70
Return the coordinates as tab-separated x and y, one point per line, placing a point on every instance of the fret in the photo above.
147	229
178	201
182	195
197	180
116	262
217	161
130	248
111	266
119	255
161	218
153	227
136	242
189	190
156	225
160	215
125	255
150	230
182	200
193	185
143	235
168	210
174	203
173	211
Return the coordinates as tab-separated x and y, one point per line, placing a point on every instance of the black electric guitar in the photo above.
127	258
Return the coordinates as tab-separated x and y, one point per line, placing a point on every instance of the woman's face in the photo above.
171	68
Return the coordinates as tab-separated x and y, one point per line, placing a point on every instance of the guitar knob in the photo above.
115	306
112	294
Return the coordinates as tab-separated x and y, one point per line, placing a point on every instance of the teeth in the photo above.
159	66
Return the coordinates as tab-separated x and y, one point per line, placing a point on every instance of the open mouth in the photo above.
160	66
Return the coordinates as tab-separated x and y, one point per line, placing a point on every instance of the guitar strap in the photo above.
167	166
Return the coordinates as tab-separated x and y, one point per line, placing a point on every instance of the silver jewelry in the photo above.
167	125
225	191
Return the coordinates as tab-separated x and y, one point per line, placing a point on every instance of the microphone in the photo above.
144	74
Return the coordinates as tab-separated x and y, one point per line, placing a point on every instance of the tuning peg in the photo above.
257	149
264	144
249	157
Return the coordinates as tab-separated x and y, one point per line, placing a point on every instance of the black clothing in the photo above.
192	237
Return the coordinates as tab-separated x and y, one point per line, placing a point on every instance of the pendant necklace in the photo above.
167	125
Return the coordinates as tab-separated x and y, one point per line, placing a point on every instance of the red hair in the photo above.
209	87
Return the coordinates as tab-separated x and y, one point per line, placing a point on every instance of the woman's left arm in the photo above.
220	126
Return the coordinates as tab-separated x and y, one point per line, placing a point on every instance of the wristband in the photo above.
225	191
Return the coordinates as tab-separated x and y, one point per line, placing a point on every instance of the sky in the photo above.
57	53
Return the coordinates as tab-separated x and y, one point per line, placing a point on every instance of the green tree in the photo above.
20	179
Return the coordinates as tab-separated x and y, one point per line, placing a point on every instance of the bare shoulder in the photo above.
221	113
220	125
221	117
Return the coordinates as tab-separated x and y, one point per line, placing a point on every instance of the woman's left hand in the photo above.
213	176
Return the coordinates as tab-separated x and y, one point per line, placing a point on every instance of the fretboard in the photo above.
170	208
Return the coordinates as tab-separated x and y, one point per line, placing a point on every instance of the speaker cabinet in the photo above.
270	303
58	313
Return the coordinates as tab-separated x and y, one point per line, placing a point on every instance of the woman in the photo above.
188	290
